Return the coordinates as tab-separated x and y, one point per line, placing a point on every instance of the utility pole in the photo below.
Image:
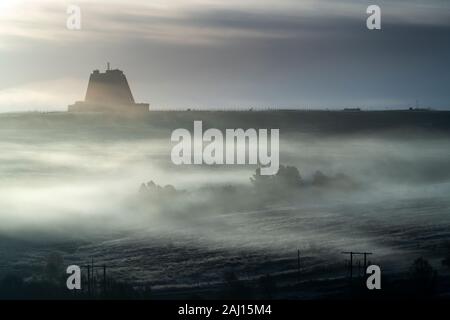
104	280
93	277
93	273
351	253
365	260
89	279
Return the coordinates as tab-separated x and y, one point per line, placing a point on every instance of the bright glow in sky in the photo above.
216	53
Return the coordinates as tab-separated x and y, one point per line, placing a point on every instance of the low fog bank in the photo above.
46	184
117	196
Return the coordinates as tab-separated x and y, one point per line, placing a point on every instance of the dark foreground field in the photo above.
354	181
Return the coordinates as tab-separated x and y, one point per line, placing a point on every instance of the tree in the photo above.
423	276
54	267
446	261
287	176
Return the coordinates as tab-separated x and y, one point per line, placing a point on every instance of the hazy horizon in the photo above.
211	54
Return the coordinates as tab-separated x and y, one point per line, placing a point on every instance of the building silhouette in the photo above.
108	92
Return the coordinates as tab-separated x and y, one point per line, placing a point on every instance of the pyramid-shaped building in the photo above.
108	92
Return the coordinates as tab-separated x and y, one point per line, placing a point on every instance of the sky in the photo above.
217	54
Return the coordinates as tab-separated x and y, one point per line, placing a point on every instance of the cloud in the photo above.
41	96
209	53
196	21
